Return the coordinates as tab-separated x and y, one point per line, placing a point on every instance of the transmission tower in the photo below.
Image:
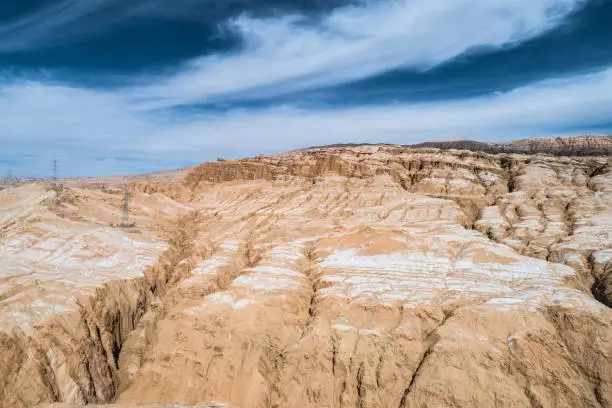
126	209
126	206
54	170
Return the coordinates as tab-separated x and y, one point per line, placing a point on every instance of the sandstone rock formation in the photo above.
368	276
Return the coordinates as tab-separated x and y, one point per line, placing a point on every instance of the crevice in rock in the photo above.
360	387
601	290
431	339
602	285
308	269
533	399
408	389
175	263
577	337
509	167
343	390
568	219
334	360
595	171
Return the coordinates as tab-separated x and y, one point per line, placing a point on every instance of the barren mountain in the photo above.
568	146
356	276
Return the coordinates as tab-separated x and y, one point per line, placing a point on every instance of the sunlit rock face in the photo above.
369	276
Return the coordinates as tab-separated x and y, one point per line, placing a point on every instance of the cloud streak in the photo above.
289	54
294	52
56	20
65	21
550	107
100	123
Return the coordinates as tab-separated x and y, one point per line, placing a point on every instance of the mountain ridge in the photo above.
582	145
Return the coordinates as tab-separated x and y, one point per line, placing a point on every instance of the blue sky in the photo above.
114	87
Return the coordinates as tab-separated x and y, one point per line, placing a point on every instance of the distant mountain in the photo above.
569	146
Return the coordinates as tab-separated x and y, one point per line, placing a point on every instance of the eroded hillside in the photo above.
368	276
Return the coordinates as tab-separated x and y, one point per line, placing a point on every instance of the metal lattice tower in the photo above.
54	170
126	206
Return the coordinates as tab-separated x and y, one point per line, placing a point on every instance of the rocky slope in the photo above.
368	276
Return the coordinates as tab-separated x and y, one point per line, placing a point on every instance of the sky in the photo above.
109	87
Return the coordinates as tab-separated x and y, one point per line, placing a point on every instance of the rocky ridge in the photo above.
367	276
586	145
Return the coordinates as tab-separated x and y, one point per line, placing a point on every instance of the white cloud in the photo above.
282	55
104	124
535	110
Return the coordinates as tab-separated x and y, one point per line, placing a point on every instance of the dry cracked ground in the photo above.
363	276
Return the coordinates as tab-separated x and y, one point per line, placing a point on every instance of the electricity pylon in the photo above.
126	206
125	222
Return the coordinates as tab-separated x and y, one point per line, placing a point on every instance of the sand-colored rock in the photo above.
368	276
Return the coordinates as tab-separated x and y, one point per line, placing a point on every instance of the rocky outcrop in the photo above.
368	276
415	170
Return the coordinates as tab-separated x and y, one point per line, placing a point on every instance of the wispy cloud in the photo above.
65	21
550	107
105	124
281	55
55	20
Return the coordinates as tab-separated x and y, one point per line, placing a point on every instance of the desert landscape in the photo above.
341	276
